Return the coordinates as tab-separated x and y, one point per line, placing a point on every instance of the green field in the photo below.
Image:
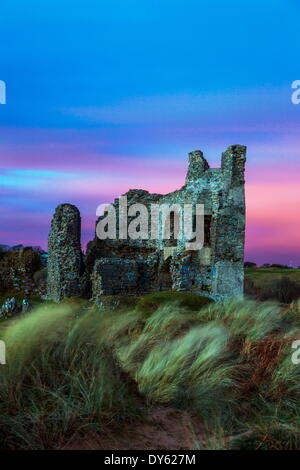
256	274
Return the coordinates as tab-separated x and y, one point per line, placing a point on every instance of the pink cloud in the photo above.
273	222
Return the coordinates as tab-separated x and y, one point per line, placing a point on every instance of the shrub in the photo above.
249	264
279	266
249	288
40	277
284	290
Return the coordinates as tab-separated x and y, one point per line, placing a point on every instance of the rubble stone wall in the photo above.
66	276
128	267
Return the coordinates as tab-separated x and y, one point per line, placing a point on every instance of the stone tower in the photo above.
65	260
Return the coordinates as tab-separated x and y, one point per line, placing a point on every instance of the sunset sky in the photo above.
107	95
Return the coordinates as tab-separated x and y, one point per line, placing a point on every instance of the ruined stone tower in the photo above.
137	266
65	261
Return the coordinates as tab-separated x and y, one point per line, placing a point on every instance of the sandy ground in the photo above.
163	429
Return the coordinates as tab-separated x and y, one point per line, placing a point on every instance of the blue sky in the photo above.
106	95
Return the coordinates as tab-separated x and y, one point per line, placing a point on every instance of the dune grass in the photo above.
71	368
59	380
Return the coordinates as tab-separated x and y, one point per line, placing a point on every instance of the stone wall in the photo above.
128	267
18	271
113	276
66	272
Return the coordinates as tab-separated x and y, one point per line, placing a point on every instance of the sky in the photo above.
108	95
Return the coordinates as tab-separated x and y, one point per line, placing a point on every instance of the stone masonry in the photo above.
138	266
66	277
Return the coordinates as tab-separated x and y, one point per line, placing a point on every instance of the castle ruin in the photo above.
139	266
